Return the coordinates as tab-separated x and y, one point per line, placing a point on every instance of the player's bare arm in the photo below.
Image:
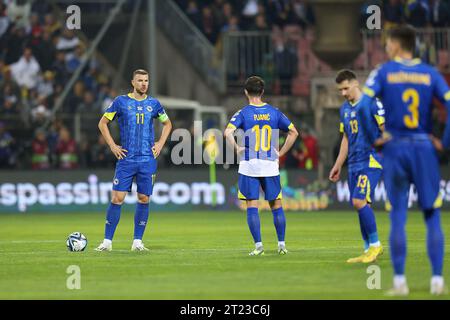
118	151
157	147
291	137
335	172
229	136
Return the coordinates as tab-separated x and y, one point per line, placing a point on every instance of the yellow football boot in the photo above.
372	254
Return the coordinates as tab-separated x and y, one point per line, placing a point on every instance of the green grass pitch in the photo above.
204	255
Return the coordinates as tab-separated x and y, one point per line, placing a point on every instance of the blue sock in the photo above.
253	223
112	220
435	240
368	222
397	238
363	233
279	220
140	220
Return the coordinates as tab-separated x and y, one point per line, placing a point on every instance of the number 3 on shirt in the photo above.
412	96
262	137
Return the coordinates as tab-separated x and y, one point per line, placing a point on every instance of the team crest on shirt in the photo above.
346	115
149	109
129	107
353	114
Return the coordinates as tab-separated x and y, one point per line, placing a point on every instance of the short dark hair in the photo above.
140	71
254	86
405	35
345	74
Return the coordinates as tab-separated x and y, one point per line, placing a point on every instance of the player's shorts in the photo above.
249	187
143	171
412	160
362	183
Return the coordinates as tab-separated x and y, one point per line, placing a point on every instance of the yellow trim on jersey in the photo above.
163	117
447	96
438	202
387	205
259	105
408	62
241	196
341	127
231	126
369	200
291	126
369	92
280	196
110	115
374	163
380	120
130	95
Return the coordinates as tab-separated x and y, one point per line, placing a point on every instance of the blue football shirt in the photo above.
135	118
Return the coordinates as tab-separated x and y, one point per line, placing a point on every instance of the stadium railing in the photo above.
246	53
193	44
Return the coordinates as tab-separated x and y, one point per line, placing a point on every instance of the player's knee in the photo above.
118	198
358	203
275	204
142	198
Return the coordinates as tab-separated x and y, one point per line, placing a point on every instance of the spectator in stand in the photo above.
88	104
261	23
75	98
231	25
4	21
217	11
249	13
40	157
74	60
7	155
66	150
67	42
102	156
286	62
193	12
51	25
209	27
393	13
308	157
45	86
44	50
26	71
278	12
418	13
8	101
19	13
439	13
303	13
14	40
59	68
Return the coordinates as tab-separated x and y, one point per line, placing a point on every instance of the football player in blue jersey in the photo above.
136	154
364	163
259	166
407	86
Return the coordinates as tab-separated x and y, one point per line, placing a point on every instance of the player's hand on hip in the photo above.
156	149
385	137
335	174
118	151
437	143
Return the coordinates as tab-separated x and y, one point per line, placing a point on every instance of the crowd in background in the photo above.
38	56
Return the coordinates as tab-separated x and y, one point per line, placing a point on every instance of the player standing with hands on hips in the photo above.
259	166
136	155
